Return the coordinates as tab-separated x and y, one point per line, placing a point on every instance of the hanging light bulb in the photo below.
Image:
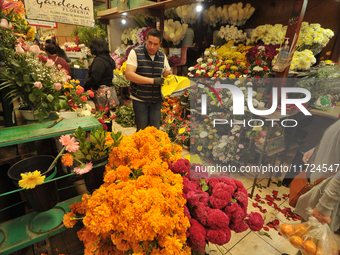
199	8
123	21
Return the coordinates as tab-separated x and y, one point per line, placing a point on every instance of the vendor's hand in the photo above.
166	73
158	81
320	217
307	155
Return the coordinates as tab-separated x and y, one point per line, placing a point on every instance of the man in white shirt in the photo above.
145	67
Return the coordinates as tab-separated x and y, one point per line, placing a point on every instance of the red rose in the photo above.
183	138
206	75
265	68
199	68
216	68
227	74
257	62
209	64
91	93
246	71
256	55
226	66
84	98
222	62
238	62
247	64
197	74
78	92
215	75
174	125
192	139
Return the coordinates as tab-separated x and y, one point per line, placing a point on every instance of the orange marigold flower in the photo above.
68	221
67	159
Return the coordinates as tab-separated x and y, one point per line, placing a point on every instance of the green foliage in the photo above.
125	116
144	20
87	34
96	146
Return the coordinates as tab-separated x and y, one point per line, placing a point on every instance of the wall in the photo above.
116	29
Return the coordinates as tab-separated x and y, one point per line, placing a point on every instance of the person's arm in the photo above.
307	155
329	200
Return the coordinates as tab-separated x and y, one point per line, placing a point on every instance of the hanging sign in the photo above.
61	11
39	23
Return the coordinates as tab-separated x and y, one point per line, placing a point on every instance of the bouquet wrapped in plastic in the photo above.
311	237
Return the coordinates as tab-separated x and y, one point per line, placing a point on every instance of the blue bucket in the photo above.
79	74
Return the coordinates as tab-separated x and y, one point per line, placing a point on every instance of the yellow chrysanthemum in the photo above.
30	180
30	34
199	148
181	131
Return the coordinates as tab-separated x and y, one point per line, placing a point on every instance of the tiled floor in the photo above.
241	243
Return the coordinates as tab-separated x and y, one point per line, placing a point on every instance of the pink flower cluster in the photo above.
215	206
118	60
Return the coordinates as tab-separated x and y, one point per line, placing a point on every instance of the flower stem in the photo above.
55	160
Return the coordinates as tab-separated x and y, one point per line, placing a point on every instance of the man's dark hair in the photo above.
99	46
154	32
51	48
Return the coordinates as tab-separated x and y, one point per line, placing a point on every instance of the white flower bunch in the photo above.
233	14
231	33
174	31
187	13
269	34
302	60
130	34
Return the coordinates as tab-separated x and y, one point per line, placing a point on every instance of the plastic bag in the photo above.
311	237
106	97
174	84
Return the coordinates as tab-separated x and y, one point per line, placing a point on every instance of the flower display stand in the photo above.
19	233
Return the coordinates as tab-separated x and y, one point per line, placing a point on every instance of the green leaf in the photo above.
34	76
28	88
32	97
262	233
27	78
15	63
205	187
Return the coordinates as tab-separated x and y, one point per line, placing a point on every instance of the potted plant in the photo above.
90	153
30	77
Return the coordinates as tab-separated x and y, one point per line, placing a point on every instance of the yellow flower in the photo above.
30	34
199	148
232	76
233	67
77	81
30	180
209	147
208	127
214	130
181	131
170	120
210	136
206	120
196	136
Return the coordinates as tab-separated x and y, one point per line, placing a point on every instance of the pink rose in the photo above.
35	49
19	49
57	86
241	146
38	84
59	66
4	23
231	137
49	62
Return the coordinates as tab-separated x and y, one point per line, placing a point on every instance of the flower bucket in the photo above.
188	39
29	115
94	178
45	196
175	51
79	74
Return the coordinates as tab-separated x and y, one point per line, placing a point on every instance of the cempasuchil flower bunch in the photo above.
140	207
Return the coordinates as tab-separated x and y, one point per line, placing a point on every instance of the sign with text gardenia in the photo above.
62	11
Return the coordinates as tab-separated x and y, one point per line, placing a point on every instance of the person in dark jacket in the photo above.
101	70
